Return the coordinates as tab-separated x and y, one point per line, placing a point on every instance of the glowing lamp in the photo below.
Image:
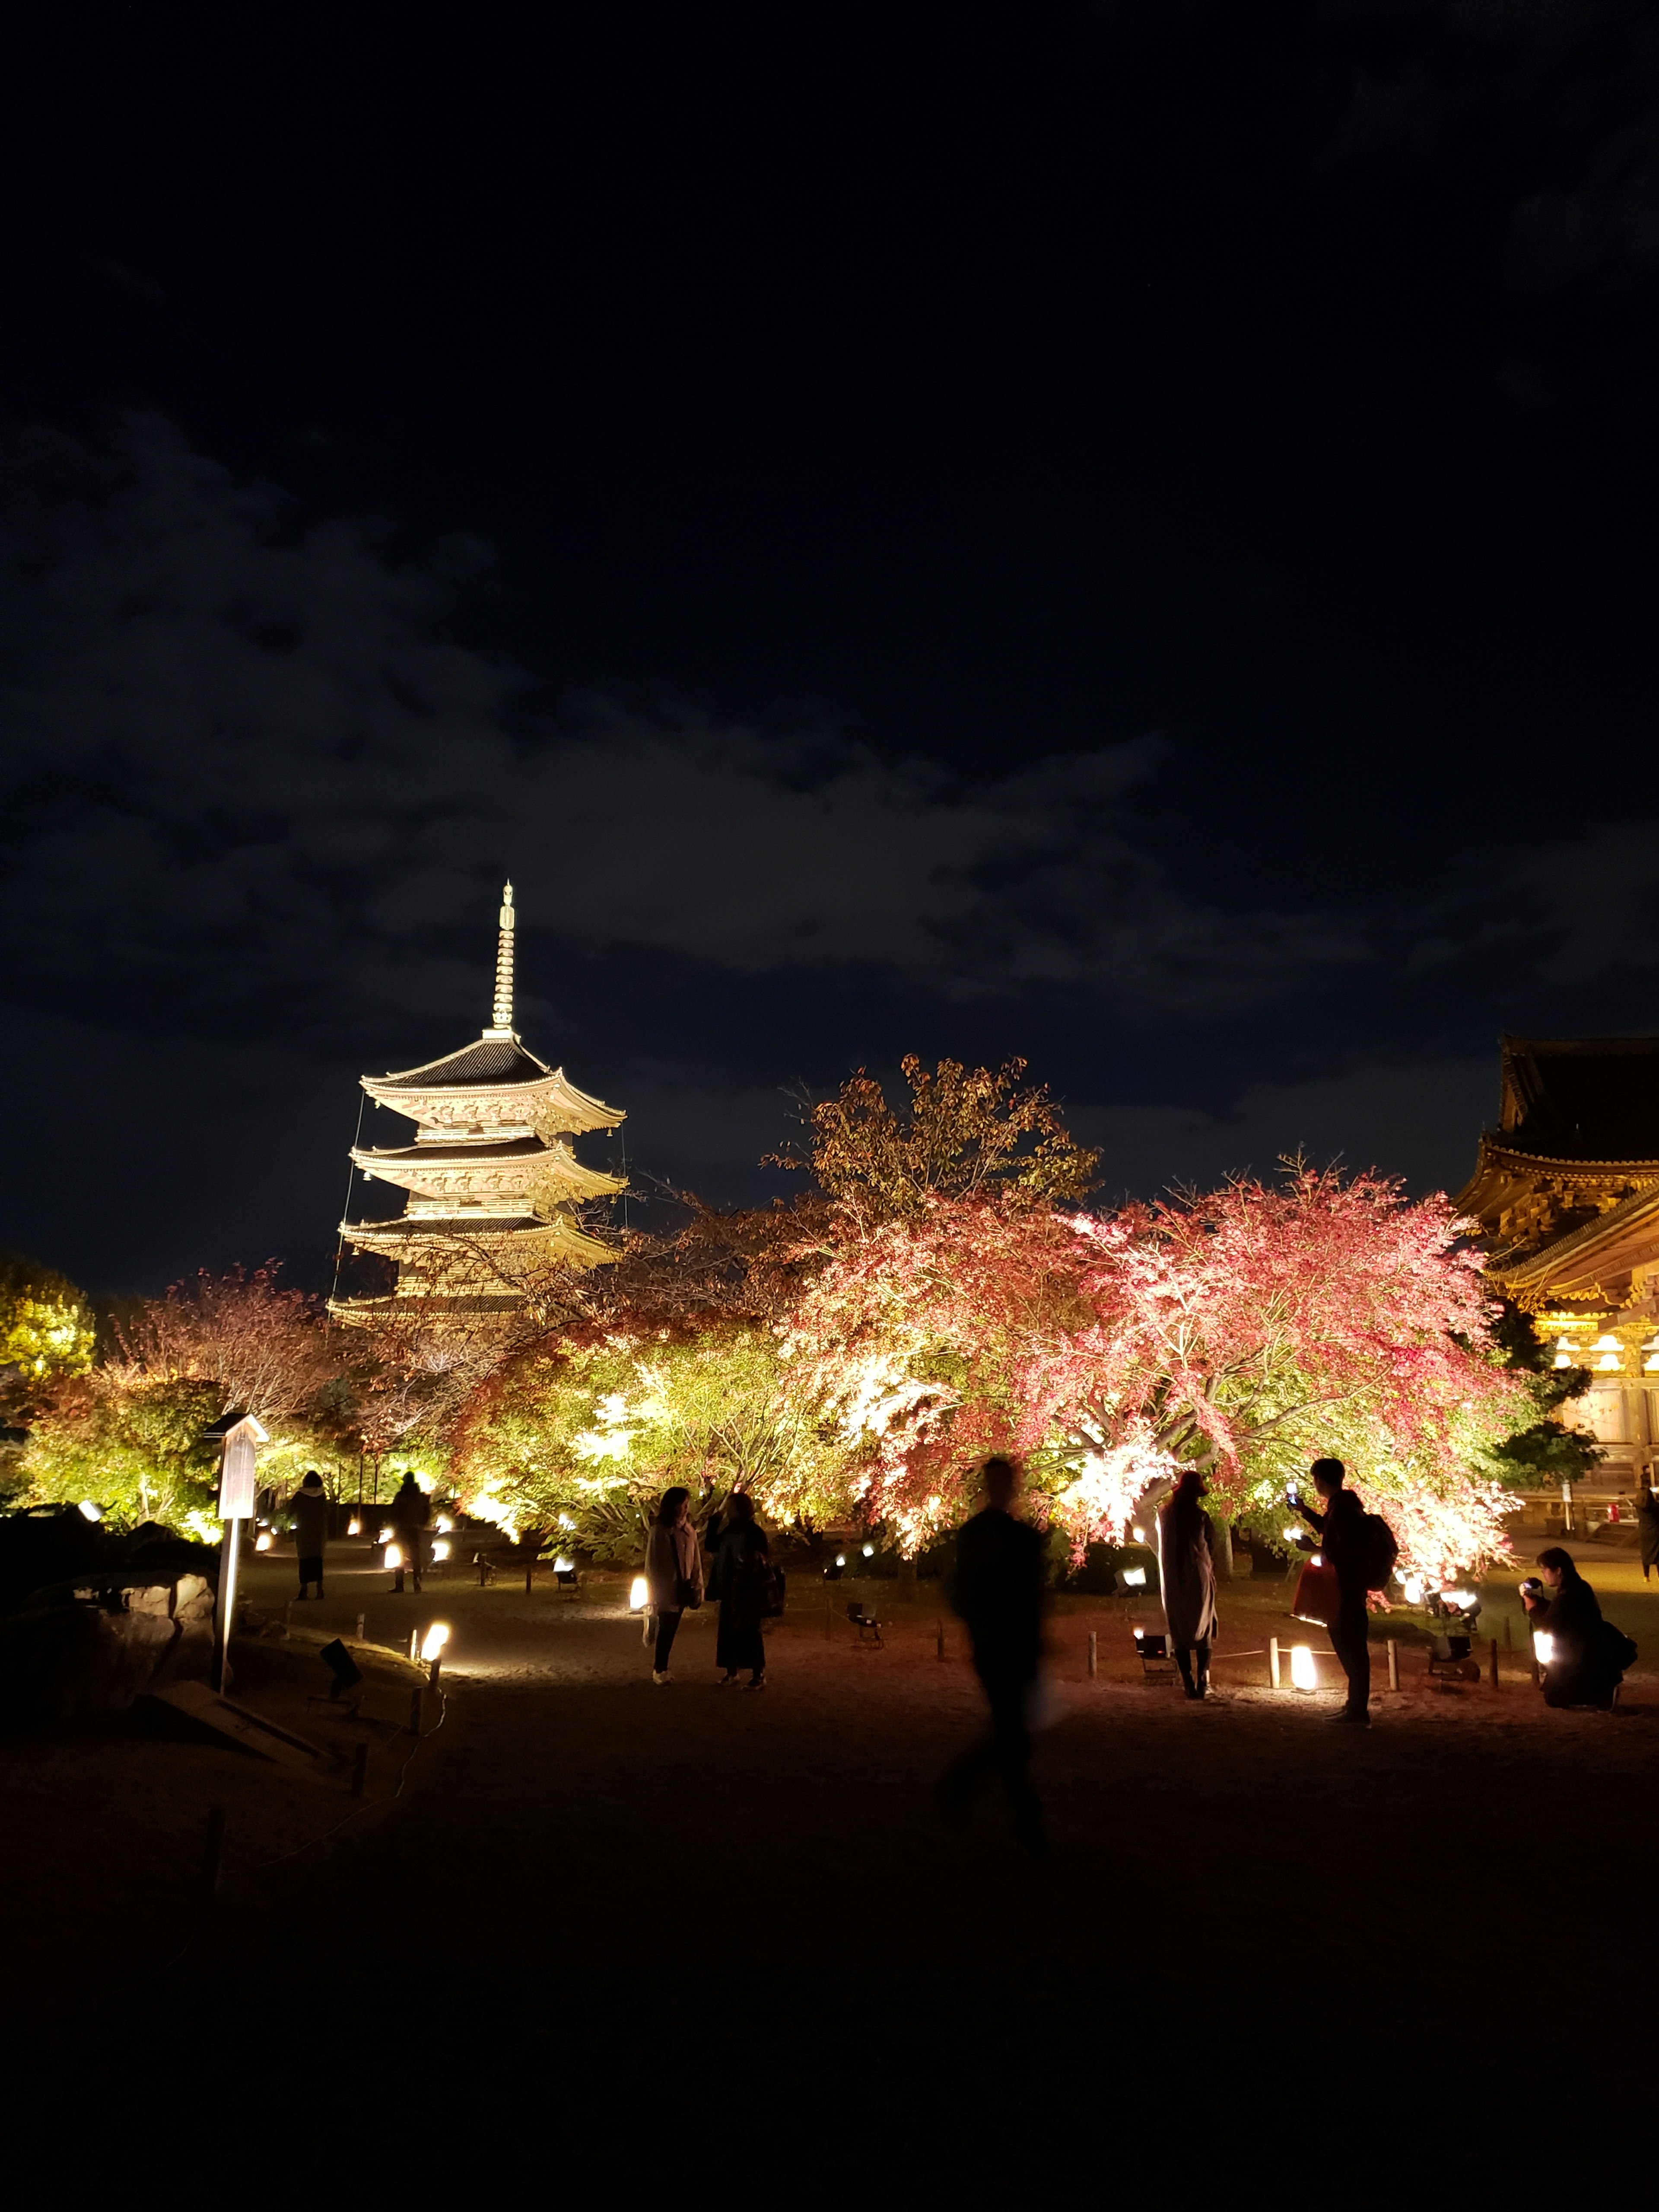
1135	1577
1563	1359
563	1566
1543	1646
354	1526
1292	1535
445	1524
262	1542
440	1550
840	1558
1139	1534
89	1512
639	1594
437	1637
565	1520
386	1535
1317	1560
1303	1674
869	1550
394	1557
1413	1590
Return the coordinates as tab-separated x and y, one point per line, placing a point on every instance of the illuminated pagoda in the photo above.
1567	1192
492	1178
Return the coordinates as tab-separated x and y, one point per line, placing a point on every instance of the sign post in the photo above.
238	1434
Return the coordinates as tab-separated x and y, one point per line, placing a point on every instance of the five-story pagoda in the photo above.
492	1182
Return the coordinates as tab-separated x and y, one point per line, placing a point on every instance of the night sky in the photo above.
1122	535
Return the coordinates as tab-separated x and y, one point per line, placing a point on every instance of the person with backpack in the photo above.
1186	1575
740	1575
1588	1655
673	1571
1355	1542
307	1512
409	1512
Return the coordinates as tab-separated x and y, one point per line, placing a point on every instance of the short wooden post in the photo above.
360	1770
529	1577
1509	1633
1094	1654
287	1613
415	1711
1493	1641
1394	1664
938	1641
414	1645
213	1853
434	1668
1272	1661
362	1619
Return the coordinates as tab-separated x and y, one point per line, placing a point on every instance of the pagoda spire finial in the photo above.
503	1009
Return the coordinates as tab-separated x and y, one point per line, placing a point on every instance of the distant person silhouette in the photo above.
1186	1574
409	1514
996	1586
1647	1524
737	1551
308	1510
1341	1539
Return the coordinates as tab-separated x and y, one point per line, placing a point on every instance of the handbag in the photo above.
1318	1594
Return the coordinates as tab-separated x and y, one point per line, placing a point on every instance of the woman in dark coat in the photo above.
1647	1522
307	1510
737	1550
1581	1669
409	1514
1186	1574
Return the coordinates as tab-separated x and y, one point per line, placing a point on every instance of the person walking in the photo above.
996	1588
1186	1574
737	1561
1587	1659
308	1511
1341	1539
411	1511
1647	1523
673	1571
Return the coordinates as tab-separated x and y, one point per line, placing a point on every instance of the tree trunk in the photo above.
907	1582
1224	1551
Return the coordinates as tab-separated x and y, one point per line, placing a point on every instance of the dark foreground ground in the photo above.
614	1941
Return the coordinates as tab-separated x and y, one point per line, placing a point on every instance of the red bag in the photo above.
1317	1595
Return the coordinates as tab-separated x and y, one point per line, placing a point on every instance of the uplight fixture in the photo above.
869	1550
435	1639
394	1556
441	1549
1303	1674
1135	1577
262	1542
639	1594
386	1535
1543	1647
354	1526
89	1512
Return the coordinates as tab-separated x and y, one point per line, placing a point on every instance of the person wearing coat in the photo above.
1341	1539
1581	1669
1186	1574
409	1514
308	1511
996	1586
1647	1523
738	1551
673	1573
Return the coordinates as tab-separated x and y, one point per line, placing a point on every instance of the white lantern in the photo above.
639	1594
1303	1675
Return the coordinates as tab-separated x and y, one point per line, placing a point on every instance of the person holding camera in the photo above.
1342	1540
673	1571
1587	1661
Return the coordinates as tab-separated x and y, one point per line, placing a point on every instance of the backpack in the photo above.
1375	1550
1618	1650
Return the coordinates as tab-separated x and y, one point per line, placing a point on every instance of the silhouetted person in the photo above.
409	1514
1647	1523
673	1571
996	1586
1581	1669
1186	1574
1341	1539
308	1510
736	1563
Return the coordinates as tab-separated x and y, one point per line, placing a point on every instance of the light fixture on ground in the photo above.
432	1650
1134	1577
394	1557
1303	1673
1543	1646
341	1666
639	1594
89	1512
439	1550
262	1542
354	1526
386	1535
869	1550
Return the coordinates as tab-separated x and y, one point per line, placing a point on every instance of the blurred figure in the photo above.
673	1570
1586	1664
1341	1539
1647	1522
1186	1573
737	1553
996	1586
308	1512
409	1513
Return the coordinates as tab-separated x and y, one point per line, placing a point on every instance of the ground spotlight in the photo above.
639	1595
340	1663
1303	1673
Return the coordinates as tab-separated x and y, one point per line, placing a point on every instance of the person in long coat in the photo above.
307	1510
1580	1670
1186	1573
411	1511
738	1551
1647	1523
673	1571
996	1586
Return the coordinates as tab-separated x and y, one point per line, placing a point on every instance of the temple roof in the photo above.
1580	1098
459	1148
1596	1261
489	1061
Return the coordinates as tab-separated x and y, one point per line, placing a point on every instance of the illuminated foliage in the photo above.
46	1333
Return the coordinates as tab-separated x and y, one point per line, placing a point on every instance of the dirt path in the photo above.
607	1924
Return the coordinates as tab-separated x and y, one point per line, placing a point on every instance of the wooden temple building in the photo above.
493	1185
1565	1190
